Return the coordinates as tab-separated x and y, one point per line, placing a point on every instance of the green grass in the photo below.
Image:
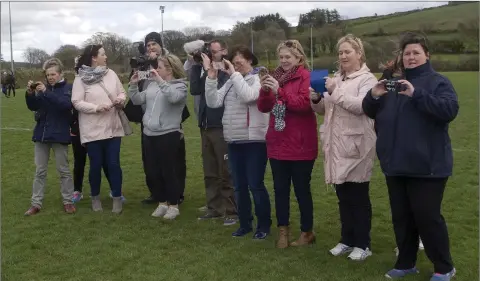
134	246
441	19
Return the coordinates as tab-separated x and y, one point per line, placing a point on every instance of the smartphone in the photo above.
262	72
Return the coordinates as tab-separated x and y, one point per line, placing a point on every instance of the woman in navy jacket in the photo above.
415	155
52	105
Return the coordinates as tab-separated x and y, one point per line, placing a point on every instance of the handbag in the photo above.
121	114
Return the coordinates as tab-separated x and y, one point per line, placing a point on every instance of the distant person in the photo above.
52	105
415	153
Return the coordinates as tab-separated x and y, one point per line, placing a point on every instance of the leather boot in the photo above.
306	238
283	237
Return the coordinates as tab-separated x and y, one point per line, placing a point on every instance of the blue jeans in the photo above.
105	153
248	162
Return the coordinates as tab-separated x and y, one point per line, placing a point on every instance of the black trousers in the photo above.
79	161
300	173
161	163
416	210
355	213
182	166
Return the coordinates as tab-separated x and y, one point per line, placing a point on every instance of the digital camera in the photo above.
395	86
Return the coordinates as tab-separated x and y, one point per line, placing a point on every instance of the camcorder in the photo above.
142	62
395	86
196	48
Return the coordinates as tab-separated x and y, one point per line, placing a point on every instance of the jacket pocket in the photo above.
351	143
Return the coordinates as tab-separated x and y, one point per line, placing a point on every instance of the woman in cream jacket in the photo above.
349	145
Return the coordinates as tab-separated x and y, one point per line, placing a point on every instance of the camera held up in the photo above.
196	48
395	86
142	62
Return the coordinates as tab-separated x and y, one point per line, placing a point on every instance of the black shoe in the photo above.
181	200
149	200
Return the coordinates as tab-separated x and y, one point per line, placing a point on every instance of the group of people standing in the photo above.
248	118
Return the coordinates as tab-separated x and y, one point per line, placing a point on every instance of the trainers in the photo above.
241	232
210	215
203	209
77	196
359	254
122	197
400	273
420	245
69	208
160	211
260	235
32	211
341	249
172	213
444	277
227	221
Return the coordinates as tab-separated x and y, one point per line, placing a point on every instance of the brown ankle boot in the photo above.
306	238
283	237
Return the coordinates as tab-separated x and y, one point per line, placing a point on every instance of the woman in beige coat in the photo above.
98	94
348	140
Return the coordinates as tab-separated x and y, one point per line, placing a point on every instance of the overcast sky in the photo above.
47	25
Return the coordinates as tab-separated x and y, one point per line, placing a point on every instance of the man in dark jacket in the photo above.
218	184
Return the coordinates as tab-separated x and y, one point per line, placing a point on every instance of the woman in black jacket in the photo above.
413	146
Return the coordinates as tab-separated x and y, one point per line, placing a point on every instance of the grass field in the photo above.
88	246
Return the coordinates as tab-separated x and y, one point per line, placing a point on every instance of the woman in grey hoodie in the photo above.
164	99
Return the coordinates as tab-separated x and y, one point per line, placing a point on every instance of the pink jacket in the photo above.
347	134
95	125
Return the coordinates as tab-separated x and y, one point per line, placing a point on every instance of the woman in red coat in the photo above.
292	142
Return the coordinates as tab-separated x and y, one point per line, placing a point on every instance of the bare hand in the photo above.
262	82
229	69
272	83
134	79
207	63
118	103
410	89
155	76
152	55
103	108
29	84
330	84
379	89
313	95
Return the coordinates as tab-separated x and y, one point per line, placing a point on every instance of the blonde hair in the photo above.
356	44
294	47
53	62
174	64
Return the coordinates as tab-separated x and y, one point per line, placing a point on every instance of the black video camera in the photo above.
197	56
142	63
395	86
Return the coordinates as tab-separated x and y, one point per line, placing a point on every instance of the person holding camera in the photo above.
164	100
412	115
52	105
292	141
218	184
98	95
244	129
151	50
349	146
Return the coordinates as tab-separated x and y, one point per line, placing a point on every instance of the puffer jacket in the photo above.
347	134
242	121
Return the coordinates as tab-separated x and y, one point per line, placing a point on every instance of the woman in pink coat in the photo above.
349	145
97	95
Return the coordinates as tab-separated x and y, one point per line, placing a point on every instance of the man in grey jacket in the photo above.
218	184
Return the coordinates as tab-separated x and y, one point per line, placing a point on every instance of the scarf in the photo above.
283	76
92	75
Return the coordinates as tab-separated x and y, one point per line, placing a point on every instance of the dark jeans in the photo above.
355	213
248	163
79	161
219	191
416	209
300	173
161	160
105	152
182	166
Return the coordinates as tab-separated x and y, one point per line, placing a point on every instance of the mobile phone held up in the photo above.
317	80
394	86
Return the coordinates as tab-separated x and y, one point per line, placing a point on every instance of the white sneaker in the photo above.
203	209
172	213
160	211
420	245
341	249
396	251
359	254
